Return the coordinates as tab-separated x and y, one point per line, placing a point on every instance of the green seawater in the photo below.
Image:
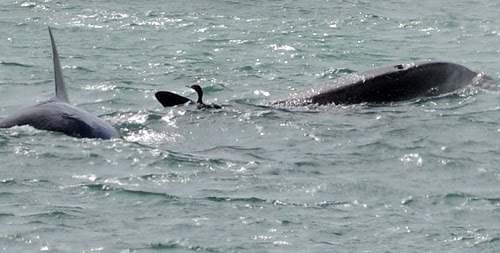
415	176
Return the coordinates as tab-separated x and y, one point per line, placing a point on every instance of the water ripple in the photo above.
113	187
15	64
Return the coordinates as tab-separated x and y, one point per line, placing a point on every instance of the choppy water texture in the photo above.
416	176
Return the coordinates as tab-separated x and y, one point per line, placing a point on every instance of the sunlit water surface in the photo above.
415	176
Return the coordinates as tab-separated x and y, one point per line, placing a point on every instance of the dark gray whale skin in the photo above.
58	115
389	84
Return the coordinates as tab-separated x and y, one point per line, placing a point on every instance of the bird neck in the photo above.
200	97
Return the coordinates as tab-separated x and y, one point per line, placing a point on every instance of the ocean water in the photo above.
415	176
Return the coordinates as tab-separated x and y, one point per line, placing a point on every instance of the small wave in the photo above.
110	188
6	215
277	202
78	68
33	5
333	203
450	199
173	245
97	187
53	214
336	73
165	246
277	47
147	193
494	201
8	181
473	238
18	132
105	86
337	206
174	159
160	177
152	137
232	148
15	64
458	196
252	200
408	201
247	68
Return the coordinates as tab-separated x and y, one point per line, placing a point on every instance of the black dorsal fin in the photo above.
168	99
61	93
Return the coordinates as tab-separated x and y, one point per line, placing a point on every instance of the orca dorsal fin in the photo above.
61	93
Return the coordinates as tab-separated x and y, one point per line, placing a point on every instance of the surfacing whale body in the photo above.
389	84
381	85
58	115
